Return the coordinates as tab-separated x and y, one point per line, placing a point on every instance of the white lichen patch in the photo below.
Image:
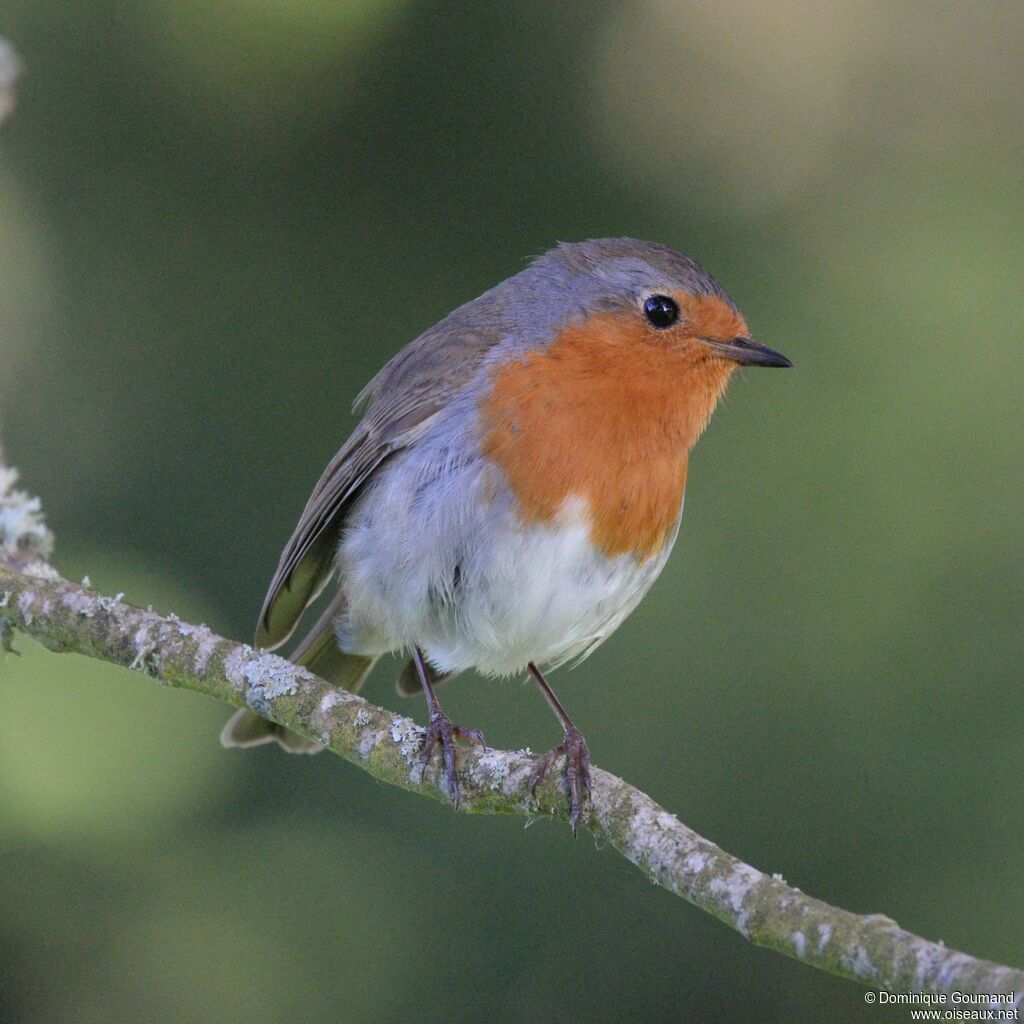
262	677
409	737
824	934
25	607
328	701
648	845
144	648
799	944
108	604
147	646
368	742
658	843
494	769
333	698
734	888
324	717
22	524
859	964
205	640
142	662
694	863
41	570
79	603
936	961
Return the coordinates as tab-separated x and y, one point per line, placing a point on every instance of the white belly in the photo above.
473	587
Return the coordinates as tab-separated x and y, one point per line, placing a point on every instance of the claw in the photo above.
472	735
442	730
577	773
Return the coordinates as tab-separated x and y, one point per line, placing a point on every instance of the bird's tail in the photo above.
320	653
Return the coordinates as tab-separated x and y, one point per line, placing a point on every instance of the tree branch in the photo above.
65	616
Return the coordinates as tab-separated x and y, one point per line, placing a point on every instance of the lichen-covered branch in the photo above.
65	616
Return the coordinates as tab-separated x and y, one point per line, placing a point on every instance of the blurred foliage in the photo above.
218	219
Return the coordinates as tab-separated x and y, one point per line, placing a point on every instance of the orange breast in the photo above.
608	413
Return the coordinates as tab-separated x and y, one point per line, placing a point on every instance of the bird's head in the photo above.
619	338
647	294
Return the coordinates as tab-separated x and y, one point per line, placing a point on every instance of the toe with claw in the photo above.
577	772
444	732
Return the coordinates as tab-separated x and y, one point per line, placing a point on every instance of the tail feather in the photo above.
246	729
408	683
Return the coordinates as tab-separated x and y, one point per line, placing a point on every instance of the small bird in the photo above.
514	487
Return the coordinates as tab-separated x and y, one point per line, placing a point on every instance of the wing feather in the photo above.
402	401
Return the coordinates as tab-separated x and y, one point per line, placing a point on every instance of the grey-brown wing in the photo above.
401	401
307	560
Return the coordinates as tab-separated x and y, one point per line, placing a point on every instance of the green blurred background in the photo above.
217	220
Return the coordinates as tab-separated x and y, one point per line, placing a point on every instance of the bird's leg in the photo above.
442	730
574	746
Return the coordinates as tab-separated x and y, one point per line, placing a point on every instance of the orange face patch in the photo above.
608	413
705	316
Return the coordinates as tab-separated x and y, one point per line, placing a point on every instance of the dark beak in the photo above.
747	352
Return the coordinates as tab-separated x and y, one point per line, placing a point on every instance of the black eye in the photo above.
661	311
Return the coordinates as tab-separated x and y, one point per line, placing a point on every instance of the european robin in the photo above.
515	485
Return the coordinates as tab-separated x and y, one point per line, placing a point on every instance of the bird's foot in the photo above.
577	772
442	730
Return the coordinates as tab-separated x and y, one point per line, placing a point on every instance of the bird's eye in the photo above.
661	311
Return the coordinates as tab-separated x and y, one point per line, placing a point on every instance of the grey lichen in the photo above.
262	677
368	742
694	863
24	535
26	605
144	660
85	605
494	768
858	963
409	738
734	888
205	640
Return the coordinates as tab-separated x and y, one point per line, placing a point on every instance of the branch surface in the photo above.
872	949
